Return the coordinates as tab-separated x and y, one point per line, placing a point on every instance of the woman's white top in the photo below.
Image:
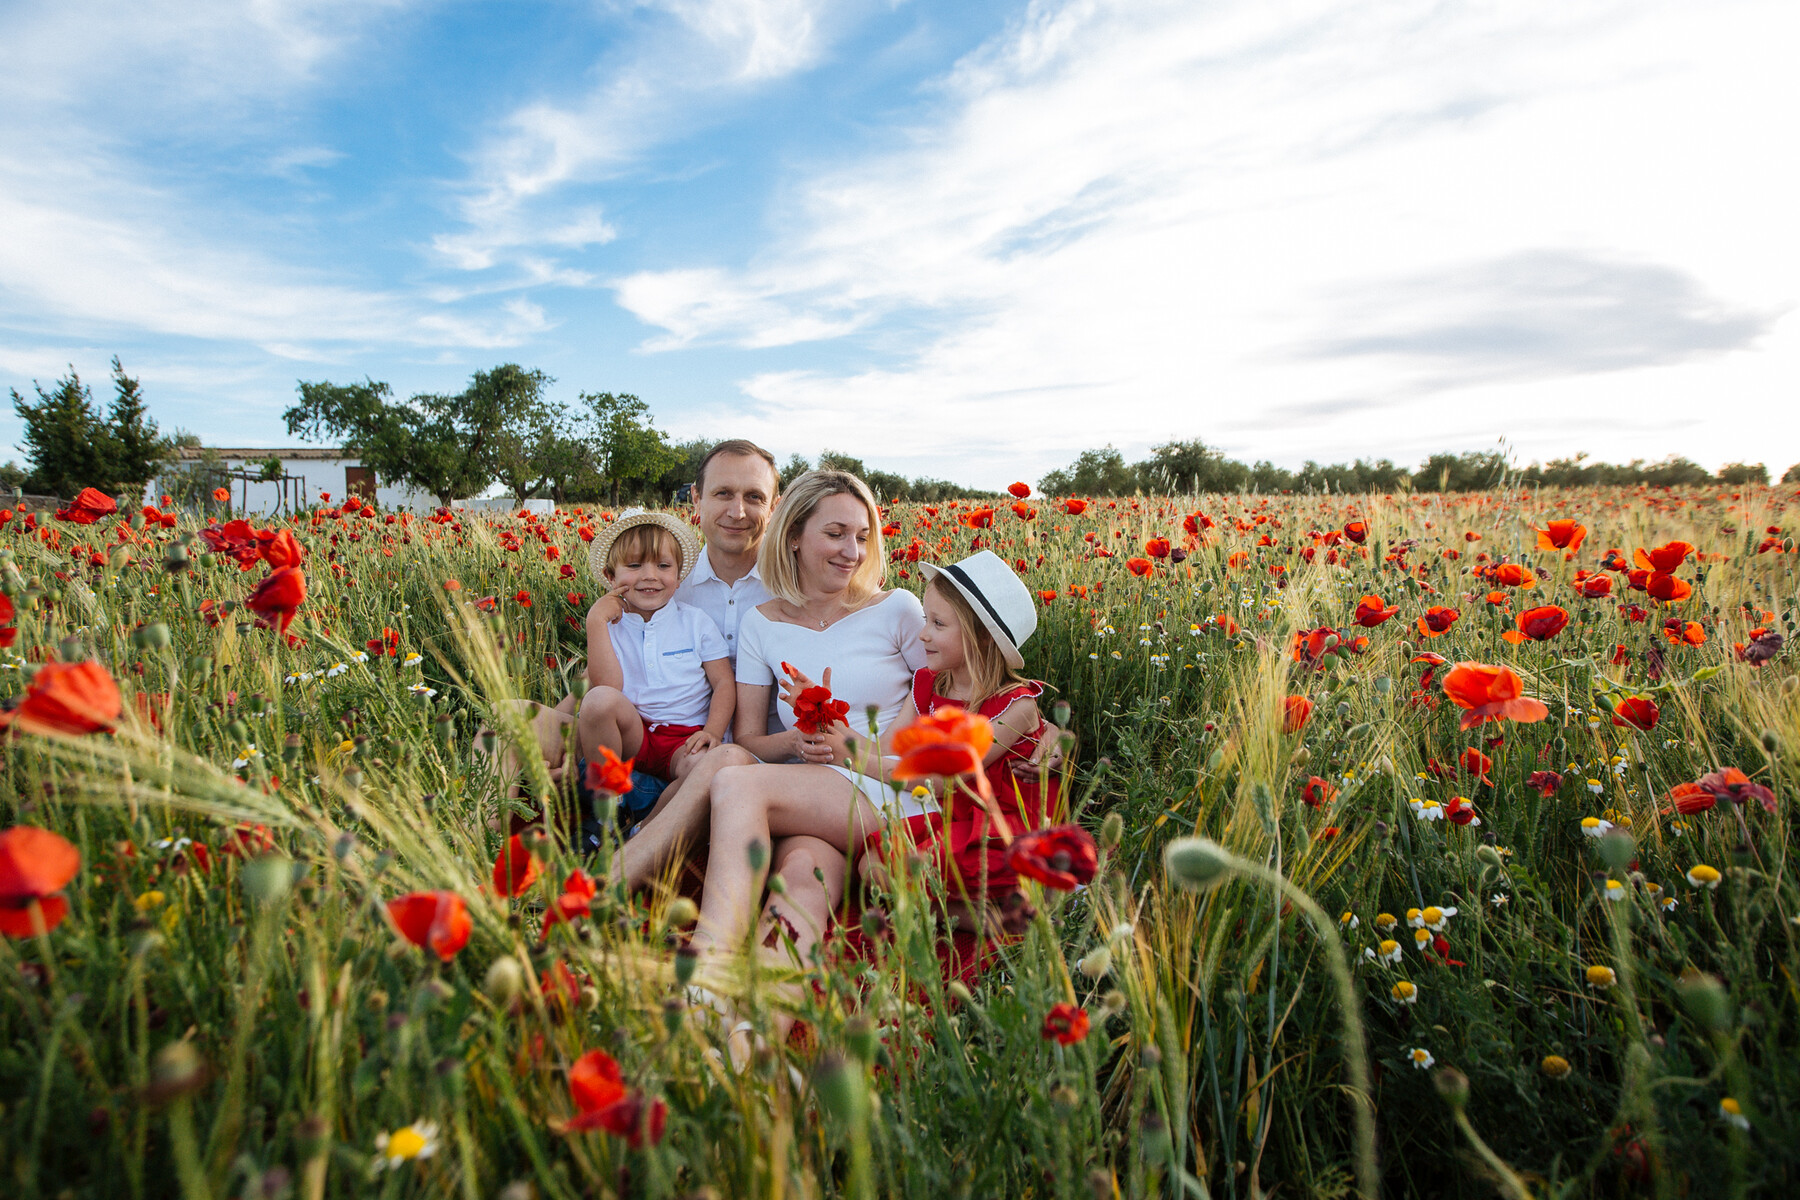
872	654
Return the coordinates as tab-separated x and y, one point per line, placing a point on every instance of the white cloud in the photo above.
1268	224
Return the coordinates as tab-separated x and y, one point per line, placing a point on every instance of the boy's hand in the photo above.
700	743
611	606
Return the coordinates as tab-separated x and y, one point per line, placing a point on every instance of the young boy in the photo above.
662	687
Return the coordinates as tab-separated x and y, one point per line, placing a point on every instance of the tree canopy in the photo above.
69	444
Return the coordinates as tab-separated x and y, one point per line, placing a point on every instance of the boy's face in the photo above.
649	580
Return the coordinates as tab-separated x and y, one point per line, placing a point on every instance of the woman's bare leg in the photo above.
756	806
804	912
679	822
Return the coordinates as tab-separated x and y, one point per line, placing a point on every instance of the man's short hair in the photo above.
742	446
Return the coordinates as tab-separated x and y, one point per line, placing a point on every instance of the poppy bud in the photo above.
681	913
1153	1137
290	749
1489	856
156	636
1300	758
1706	998
1452	1085
841	1088
1199	863
1616	849
686	959
1065	1098
960	990
504	978
757	855
859	1036
353	779
268	877
178	1070
1771	741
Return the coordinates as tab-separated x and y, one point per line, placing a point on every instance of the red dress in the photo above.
969	846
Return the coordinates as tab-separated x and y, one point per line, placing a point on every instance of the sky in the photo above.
965	240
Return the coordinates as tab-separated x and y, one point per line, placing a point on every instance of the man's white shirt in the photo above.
726	604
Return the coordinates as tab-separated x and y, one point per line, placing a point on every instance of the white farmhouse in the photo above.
311	471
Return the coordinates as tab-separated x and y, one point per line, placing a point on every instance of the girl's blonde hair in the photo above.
639	543
988	672
776	560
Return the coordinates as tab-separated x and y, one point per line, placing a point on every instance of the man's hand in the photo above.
1047	757
699	743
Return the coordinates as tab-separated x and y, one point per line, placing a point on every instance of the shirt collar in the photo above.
703	571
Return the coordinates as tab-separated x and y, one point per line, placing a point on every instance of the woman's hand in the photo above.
796	681
815	748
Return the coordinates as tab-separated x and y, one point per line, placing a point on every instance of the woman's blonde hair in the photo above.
988	672
776	561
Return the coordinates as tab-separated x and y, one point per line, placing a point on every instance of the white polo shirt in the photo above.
661	660
727	604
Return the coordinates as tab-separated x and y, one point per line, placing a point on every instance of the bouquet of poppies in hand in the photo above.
815	710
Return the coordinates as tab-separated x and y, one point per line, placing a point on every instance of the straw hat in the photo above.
999	597
687	538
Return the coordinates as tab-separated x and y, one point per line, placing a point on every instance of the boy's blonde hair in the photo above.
639	543
775	560
988	673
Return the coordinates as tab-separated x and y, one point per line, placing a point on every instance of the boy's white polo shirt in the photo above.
661	660
725	603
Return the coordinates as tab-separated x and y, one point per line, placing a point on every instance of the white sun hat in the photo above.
687	538
999	597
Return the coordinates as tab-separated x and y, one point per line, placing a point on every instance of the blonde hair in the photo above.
988	672
775	560
640	542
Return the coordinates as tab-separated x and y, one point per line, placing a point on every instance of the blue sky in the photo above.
965	240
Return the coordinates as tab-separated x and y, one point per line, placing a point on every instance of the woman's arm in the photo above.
750	729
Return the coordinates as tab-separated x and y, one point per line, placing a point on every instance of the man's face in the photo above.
734	505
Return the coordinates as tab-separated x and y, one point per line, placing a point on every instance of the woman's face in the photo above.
832	544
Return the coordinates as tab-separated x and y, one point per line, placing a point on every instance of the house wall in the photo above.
320	475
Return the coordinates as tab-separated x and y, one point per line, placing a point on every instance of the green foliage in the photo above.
795	468
1750	473
70	445
629	451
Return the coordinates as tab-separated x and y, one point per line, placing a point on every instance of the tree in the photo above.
1095	473
448	445
1737	472
628	447
66	442
1470	471
796	467
1191	467
834	460
136	447
1792	474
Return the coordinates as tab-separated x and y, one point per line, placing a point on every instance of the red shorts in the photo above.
660	744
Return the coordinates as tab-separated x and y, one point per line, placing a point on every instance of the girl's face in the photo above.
942	636
832	544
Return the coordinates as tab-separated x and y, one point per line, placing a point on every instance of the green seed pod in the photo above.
1153	1137
1706	998
757	855
1199	863
681	913
1112	830
842	1090
1452	1085
674	1012
859	1037
504	980
268	878
686	960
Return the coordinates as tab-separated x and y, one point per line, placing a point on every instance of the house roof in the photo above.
257	453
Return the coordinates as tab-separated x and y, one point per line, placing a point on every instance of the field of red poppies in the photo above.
1435	844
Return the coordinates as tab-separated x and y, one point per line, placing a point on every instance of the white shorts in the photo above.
882	799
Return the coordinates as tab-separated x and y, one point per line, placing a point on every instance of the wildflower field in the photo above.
1442	850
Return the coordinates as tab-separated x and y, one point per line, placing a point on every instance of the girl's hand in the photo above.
1047	757
699	743
611	606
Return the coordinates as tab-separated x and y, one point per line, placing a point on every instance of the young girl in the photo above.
977	616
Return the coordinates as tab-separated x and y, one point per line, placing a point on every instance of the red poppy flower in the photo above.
1157	547
523	598
1432	663
1066	1024
815	710
1357	531
1614	560
1062	857
434	921
223	494
1668	588
1489	693
1636	712
1316	793
89	505
1019	490
578	893
1047	597
1074	507
1140	566
515	868
595	1082
1593	587
628	1117
1539	624
34	865
1684	633
1689	799
1764	645
607	772
1733	785
1225	622
282	550
1370	611
248	841
1437	621
277	597
1665	559
1513	575
1473	762
68	698
1544	783
1296	711
1461	811
1562	535
948	742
